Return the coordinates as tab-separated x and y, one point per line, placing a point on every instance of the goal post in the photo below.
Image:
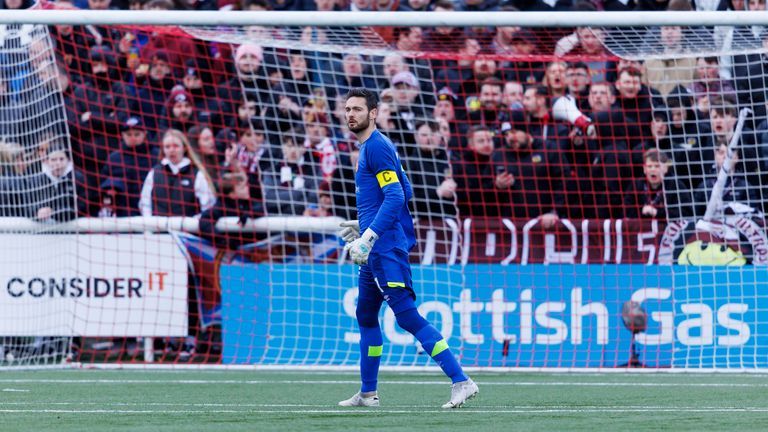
173	184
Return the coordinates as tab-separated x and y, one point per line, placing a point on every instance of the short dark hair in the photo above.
655	155
370	96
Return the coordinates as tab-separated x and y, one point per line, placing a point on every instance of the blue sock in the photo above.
433	343
371	345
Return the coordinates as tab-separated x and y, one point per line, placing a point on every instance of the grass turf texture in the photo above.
77	400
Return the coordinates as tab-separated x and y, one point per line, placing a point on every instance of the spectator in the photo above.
656	196
512	96
444	113
665	74
178	185
320	144
578	80
353	75
198	81
100	104
406	110
408	39
539	120
234	201
290	185
588	43
250	81
179	112
738	195
57	194
476	193
125	170
443	38
554	79
13	167
154	83
342	184
429	171
524	43
635	106
708	83
486	107
531	170
202	143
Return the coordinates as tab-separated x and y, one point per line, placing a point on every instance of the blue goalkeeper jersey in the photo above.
383	191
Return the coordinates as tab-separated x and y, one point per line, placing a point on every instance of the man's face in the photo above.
532	102
484	68
393	64
57	163
404	94
671	36
577	80
490	96
722	124
517	139
182	110
556	75
601	97
513	93
654	171
357	115
482	142
628	85
424	137
352	65
134	137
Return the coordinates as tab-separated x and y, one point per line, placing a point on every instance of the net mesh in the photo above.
562	177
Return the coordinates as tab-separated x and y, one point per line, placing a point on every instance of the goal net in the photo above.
585	197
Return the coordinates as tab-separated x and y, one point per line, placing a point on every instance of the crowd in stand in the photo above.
163	124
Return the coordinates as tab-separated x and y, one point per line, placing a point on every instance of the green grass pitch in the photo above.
222	401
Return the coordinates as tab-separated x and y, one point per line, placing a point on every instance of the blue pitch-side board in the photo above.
492	315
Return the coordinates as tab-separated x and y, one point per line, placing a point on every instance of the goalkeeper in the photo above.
383	192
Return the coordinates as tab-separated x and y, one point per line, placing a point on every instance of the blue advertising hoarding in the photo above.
492	315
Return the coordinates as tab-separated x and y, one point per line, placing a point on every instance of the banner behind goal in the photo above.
583	197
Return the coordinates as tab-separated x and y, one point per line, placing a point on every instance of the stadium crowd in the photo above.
163	124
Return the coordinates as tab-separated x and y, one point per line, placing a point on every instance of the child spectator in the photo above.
656	196
57	194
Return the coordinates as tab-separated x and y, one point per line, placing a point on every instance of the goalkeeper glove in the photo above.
361	247
350	230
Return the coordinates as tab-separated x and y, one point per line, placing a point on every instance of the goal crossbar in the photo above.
366	19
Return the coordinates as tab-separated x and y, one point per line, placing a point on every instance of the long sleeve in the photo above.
145	202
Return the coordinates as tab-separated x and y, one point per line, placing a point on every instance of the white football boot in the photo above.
359	400
461	392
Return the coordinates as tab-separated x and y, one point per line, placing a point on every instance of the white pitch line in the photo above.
354	382
390	411
319	407
13	390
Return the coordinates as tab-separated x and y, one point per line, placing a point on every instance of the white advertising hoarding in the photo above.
92	285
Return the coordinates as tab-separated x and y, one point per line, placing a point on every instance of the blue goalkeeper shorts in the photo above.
387	277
